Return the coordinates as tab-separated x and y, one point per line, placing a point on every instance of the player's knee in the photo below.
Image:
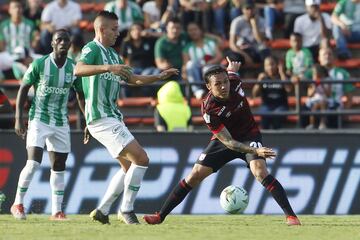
59	166
196	177
143	159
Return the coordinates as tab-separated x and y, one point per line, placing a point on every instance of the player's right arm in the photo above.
225	137
31	77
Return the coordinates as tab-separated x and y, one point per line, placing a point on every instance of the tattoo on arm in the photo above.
225	137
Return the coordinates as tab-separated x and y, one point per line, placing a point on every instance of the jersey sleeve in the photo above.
89	55
213	122
31	75
340	7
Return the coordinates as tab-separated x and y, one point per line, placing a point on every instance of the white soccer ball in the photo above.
234	199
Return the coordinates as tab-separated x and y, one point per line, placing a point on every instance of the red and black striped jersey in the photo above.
234	113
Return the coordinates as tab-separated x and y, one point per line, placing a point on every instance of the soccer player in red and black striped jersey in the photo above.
236	135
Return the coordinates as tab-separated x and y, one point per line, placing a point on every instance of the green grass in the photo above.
219	227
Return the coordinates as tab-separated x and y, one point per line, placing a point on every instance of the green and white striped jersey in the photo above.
16	35
102	90
132	14
52	85
201	54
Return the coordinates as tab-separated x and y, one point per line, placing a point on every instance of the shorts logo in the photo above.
206	118
202	156
116	129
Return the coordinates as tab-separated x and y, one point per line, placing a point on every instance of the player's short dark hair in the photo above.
211	70
107	15
62	30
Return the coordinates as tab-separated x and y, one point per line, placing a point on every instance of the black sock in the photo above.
175	198
278	193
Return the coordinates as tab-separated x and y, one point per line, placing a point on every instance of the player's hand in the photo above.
265	152
233	66
121	70
20	128
168	73
87	135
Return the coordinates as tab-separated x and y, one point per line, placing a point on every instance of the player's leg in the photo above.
211	160
57	184
259	170
58	146
35	141
32	164
115	187
134	153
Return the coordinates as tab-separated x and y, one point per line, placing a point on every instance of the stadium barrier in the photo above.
320	172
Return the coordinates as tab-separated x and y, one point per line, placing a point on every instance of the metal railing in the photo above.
298	111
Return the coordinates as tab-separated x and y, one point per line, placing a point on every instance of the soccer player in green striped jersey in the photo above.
52	76
102	71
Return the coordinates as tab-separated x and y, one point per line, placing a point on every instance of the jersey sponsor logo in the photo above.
206	118
110	77
202	157
221	110
228	114
240	105
43	90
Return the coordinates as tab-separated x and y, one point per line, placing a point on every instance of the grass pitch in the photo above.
184	227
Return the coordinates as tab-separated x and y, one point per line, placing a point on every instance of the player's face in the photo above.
111	31
61	43
219	85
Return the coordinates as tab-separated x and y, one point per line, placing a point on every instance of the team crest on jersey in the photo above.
68	77
206	118
85	51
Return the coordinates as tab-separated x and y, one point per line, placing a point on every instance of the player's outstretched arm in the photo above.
225	137
143	80
83	70
20	129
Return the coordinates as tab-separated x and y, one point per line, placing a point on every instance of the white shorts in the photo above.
112	133
57	139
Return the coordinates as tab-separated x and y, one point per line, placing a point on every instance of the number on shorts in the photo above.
256	144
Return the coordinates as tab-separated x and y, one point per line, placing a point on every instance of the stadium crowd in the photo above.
192	34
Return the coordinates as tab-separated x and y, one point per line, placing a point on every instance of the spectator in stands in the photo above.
138	52
273	95
247	36
272	15
194	11
313	26
346	28
318	94
201	51
15	32
156	16
172	113
292	9
235	8
5	108
299	59
33	12
168	48
326	60
59	14
128	12
218	8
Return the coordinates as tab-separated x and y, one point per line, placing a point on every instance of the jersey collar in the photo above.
100	44
53	61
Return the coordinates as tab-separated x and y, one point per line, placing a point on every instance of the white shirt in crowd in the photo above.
310	30
61	17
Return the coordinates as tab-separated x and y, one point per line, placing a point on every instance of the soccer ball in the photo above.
234	199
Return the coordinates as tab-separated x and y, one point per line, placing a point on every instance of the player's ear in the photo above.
208	86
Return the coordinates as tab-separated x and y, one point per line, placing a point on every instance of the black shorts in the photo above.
216	154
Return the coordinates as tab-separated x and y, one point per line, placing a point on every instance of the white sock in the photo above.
132	183
113	191
25	177
57	183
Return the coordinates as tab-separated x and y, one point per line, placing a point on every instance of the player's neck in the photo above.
59	59
102	41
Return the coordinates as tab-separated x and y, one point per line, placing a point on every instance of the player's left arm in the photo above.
143	80
225	137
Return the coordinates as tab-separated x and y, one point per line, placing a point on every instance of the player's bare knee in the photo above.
197	175
143	159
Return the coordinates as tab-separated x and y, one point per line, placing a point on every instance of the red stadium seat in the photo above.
135	102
